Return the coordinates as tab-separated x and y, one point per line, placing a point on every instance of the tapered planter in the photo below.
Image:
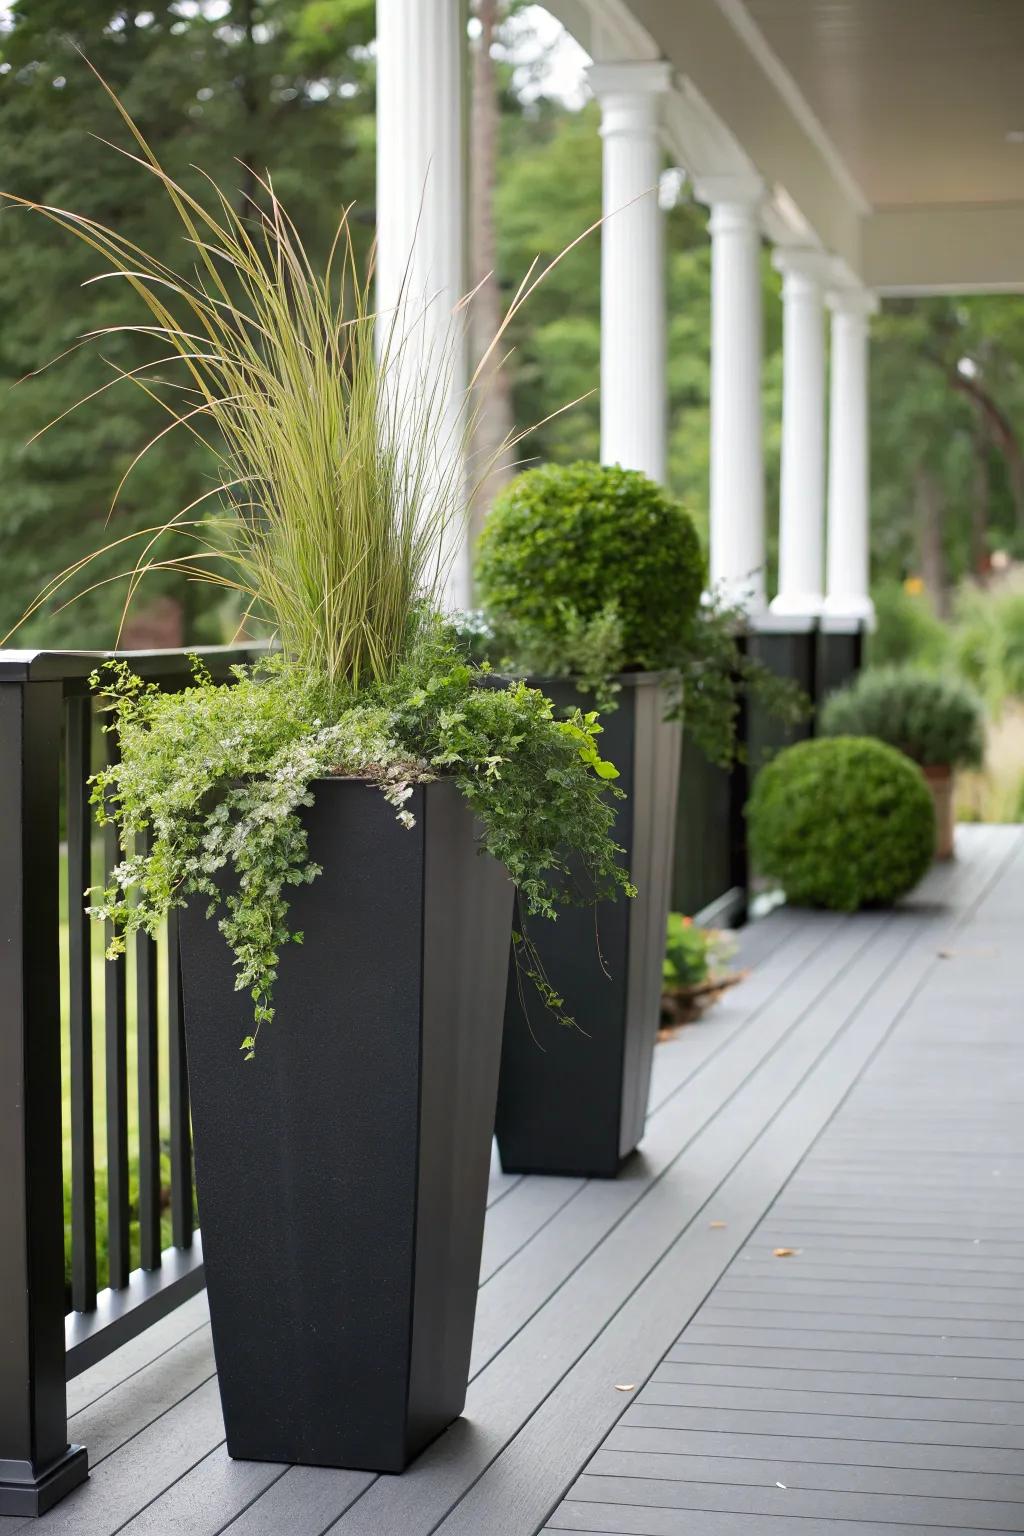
573	1101
342	1174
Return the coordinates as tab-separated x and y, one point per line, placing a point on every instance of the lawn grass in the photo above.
99	973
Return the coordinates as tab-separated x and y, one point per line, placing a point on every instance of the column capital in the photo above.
856	303
734	191
803	263
645	77
630	97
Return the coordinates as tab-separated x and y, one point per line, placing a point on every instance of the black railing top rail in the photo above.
74	667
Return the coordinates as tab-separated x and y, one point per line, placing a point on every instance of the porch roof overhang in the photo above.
892	137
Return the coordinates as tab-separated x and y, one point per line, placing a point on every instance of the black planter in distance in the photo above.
573	1101
342	1174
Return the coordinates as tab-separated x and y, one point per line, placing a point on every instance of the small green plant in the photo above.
842	822
935	720
588	570
693	954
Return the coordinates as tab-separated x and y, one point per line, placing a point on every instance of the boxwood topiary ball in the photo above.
842	822
584	536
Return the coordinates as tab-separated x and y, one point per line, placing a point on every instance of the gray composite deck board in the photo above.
874	1378
858	1098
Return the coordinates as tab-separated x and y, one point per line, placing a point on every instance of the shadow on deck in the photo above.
643	1362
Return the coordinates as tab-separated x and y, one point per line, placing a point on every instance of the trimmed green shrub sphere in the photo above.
937	721
842	822
580	537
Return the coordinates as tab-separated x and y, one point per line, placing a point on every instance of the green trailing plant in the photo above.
841	822
935	720
588	571
335	491
218	775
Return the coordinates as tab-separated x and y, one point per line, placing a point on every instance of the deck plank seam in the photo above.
247	1506
652	1477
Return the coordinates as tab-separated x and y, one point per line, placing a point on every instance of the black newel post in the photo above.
37	1466
840	654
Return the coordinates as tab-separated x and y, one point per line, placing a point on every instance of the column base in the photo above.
28	1492
797	605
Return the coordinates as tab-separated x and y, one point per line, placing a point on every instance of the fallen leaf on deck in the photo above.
716	1225
629	1386
780	1485
784	1253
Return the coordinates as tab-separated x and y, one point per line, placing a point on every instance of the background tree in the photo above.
289	85
277	84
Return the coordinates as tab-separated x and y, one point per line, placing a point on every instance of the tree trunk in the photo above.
158	625
493	424
981	498
928	500
1002	433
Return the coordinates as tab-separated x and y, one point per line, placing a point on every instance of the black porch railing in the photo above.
51	1328
712	873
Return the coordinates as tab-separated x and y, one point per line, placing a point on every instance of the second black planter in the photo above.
342	1174
573	1101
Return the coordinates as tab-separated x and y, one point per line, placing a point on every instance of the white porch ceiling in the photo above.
917	96
894	129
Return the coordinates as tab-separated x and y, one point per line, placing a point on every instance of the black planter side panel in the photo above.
312	1186
656	754
704	863
567	1097
466	930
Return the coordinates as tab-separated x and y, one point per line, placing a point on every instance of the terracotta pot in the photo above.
940	784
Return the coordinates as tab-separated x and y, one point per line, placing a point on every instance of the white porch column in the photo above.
421	220
633	391
802	502
737	452
848	594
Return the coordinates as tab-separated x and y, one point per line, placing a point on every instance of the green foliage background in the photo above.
289	85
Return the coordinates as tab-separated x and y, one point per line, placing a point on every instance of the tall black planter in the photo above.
342	1174
574	1101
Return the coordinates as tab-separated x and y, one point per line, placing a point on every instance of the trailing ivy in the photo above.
219	774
